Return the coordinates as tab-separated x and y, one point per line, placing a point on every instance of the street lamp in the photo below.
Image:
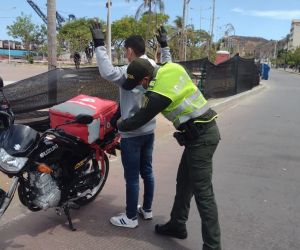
6	9
200	11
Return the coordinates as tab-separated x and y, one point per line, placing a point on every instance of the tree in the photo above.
296	59
176	37
75	35
23	29
121	29
149	7
196	41
126	26
40	40
33	37
148	31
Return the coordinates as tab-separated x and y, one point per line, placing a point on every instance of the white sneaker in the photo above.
122	220
145	215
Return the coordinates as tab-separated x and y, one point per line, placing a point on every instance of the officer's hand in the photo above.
116	116
97	34
161	37
119	122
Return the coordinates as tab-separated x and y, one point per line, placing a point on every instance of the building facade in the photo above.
294	37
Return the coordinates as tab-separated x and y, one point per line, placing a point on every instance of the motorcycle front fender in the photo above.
5	198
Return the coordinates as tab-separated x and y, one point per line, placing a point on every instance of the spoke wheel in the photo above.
104	169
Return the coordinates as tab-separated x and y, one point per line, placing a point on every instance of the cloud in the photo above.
274	14
238	10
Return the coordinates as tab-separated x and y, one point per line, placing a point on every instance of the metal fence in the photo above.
225	79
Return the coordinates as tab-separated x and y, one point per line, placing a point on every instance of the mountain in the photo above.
250	46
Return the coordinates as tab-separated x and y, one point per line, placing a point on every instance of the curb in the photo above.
221	103
8	82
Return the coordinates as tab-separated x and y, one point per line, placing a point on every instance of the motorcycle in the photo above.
53	169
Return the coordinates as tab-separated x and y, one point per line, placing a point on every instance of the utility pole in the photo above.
212	27
108	5
52	61
9	51
275	49
51	17
200	15
184	35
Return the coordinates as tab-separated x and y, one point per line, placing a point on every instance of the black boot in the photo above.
171	230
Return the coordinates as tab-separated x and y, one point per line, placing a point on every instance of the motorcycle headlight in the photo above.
10	163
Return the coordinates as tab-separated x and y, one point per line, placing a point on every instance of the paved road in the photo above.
258	168
256	177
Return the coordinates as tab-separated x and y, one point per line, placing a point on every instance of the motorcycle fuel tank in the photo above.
60	147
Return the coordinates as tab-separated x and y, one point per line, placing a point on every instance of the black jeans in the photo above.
194	178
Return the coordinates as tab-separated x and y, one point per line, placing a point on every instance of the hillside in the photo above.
252	46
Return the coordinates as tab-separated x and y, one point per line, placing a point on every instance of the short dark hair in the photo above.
137	44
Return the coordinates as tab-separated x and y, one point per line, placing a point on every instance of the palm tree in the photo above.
178	22
176	37
149	7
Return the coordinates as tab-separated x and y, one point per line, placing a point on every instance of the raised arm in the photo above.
162	39
106	69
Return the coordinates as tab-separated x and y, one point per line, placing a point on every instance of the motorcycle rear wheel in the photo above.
104	170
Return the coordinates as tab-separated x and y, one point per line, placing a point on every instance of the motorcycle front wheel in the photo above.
103	173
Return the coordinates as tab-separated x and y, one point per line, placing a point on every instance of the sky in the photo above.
267	19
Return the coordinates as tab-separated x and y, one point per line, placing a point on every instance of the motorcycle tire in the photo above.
104	169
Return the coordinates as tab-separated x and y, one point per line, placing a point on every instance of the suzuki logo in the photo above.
48	151
17	147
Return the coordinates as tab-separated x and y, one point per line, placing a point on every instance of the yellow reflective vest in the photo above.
172	81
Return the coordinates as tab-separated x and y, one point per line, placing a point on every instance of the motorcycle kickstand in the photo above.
67	213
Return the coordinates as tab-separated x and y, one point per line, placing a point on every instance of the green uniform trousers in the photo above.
194	178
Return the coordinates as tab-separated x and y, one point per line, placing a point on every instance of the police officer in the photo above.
171	91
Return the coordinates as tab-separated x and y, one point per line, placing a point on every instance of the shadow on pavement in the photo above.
36	229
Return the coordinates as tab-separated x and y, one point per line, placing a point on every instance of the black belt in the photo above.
199	125
192	130
205	125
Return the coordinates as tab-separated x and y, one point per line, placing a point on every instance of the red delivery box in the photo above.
101	109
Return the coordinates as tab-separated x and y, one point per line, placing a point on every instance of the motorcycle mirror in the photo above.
1	83
83	119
